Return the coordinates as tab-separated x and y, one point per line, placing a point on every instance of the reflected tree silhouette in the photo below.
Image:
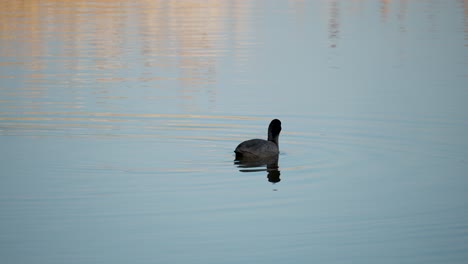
270	165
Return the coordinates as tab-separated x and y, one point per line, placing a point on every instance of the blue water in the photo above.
118	122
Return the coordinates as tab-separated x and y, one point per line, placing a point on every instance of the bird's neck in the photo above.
272	138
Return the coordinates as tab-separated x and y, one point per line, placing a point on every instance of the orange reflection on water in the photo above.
183	35
63	43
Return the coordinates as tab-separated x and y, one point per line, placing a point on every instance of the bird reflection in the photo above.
270	165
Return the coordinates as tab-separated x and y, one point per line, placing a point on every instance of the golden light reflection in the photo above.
152	42
157	40
384	9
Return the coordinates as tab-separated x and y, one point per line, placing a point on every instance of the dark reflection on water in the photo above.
254	165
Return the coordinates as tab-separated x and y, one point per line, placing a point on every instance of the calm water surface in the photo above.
118	121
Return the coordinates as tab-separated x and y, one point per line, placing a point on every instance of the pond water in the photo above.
118	121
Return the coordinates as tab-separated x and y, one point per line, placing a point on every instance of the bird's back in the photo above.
256	148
